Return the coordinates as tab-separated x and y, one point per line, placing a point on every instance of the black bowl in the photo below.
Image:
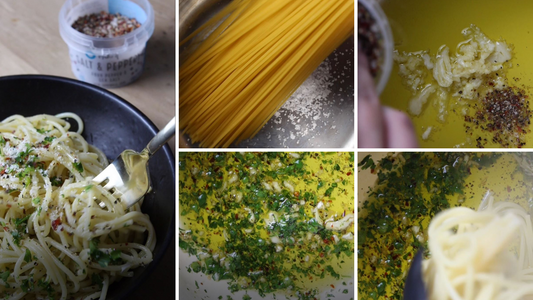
113	125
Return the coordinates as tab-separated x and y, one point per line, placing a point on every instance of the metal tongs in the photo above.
414	288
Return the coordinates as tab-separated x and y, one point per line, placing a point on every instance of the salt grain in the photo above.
308	102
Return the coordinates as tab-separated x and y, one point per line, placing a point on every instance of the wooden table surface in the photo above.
30	44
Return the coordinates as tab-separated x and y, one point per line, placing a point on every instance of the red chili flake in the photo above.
296	194
331	285
105	25
349	173
56	223
236	216
505	114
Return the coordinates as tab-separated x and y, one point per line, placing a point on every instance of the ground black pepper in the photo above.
105	25
506	114
369	38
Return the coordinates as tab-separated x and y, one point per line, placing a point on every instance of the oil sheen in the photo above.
426	25
270	222
383	265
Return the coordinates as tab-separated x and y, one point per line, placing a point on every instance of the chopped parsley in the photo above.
5	276
27	256
21	223
25	286
78	166
46	286
103	258
243	202
410	189
23	156
97	279
48	140
56	181
16	237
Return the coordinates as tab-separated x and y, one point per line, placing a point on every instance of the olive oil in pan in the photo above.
270	222
388	237
426	25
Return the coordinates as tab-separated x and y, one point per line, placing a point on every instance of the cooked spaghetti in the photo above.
62	237
485	254
252	56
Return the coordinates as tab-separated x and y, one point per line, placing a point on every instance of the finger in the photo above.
400	132
370	127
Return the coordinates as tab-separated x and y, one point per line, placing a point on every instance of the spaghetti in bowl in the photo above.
111	124
62	236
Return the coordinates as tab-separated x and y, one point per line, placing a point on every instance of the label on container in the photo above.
109	71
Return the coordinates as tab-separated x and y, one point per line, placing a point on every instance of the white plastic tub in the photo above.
107	62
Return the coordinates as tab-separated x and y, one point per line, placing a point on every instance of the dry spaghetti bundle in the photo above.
255	55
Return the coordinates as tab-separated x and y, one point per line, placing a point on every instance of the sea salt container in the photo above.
107	62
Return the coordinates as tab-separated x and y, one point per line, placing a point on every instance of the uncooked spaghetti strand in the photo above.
237	57
280	59
203	113
298	66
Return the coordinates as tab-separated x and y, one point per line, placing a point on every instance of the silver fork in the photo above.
128	174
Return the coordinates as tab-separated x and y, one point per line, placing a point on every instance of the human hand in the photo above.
379	126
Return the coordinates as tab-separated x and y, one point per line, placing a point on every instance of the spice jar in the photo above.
117	59
374	31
